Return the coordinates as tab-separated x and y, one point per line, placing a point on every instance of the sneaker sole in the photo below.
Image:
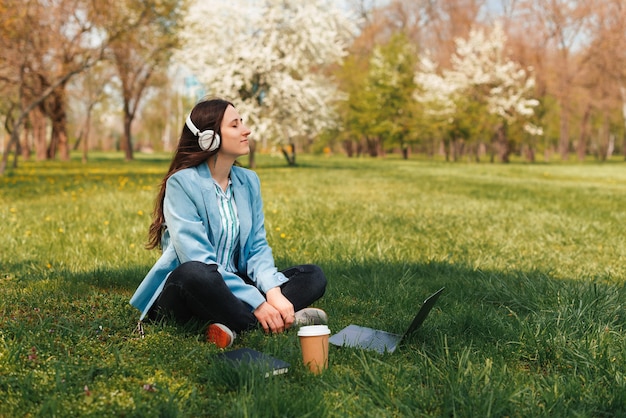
218	336
315	317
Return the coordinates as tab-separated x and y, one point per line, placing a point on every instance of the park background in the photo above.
403	146
467	79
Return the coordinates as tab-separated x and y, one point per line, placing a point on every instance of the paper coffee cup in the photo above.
314	343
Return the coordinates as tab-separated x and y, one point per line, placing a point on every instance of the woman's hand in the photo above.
275	298
269	318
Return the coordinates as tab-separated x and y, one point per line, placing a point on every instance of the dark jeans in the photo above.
195	290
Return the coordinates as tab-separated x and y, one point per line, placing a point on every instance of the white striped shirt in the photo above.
228	241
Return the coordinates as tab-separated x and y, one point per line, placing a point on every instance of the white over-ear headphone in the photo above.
208	140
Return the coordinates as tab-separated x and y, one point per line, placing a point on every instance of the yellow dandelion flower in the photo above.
277	228
61	230
132	246
140	212
283	235
13	210
49	266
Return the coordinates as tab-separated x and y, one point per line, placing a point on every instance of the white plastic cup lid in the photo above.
313	330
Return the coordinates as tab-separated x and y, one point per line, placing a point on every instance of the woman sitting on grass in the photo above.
216	265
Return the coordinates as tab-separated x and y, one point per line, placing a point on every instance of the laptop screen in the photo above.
423	312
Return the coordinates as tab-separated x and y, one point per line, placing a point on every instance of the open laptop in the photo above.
381	341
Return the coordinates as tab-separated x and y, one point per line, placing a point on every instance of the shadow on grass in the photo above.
535	315
477	307
476	304
495	332
535	330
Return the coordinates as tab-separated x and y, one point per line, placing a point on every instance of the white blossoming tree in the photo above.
437	97
271	58
483	93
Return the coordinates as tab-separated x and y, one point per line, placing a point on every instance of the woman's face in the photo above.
234	134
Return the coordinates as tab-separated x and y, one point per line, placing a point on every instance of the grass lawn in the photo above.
532	321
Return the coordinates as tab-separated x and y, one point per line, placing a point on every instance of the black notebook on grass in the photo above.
252	358
381	341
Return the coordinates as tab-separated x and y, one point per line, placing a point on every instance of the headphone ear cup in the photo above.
209	140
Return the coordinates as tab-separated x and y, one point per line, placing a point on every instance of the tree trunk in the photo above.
62	142
13	141
603	140
581	148
25	145
503	144
348	146
454	149
52	146
38	121
623	92
564	131
86	136
58	116
290	154
372	146
126	144
460	149
530	154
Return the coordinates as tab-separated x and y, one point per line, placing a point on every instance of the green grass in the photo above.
532	322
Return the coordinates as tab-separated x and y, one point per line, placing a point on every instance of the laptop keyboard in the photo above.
380	342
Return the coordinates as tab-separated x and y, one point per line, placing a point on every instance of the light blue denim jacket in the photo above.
193	225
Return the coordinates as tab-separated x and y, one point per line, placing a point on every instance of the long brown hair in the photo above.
207	114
